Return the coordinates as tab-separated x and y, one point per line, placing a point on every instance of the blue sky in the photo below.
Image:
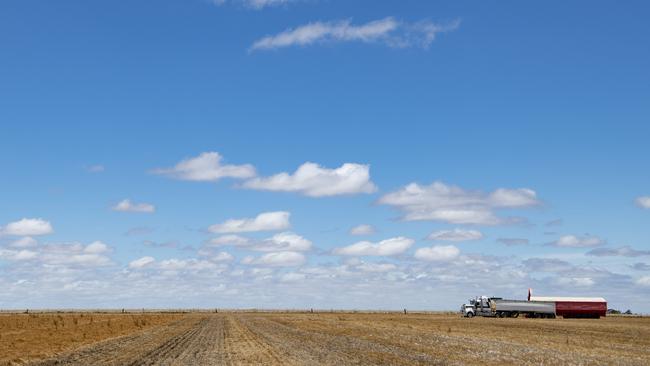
490	146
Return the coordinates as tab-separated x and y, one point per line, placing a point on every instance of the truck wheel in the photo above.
469	315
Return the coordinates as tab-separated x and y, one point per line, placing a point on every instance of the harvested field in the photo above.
338	339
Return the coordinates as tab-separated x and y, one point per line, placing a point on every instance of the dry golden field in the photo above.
249	338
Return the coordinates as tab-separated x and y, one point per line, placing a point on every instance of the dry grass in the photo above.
25	337
275	338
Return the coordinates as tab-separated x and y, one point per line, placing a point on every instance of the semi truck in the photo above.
501	308
536	307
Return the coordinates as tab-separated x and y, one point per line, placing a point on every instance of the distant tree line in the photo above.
615	311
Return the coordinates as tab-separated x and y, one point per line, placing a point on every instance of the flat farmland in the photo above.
276	338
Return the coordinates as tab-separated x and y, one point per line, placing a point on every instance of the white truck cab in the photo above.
468	310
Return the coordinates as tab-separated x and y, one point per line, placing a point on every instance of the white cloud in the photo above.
96	247
643	201
455	235
192	265
27	227
18	255
285	241
452	204
643	281
437	253
64	255
206	167
222	257
75	254
234	240
25	242
266	221
128	206
388	31
313	180
278	259
376	267
141	262
572	241
362	230
292	277
388	247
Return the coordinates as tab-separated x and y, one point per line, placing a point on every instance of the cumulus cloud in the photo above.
231	239
388	247
18	255
513	241
27	227
96	247
312	180
455	235
207	167
285	241
266	221
63	255
388	31
128	206
572	241
452	204
25	242
437	253
362	230
141	262
278	259
222	257
643	201
624	251
76	254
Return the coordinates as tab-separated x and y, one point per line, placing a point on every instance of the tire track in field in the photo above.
167	352
322	348
244	347
124	350
201	345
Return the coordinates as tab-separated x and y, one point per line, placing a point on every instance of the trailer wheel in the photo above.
515	314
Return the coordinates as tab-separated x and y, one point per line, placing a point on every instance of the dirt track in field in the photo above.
371	339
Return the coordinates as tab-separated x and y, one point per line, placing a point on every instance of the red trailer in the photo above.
575	307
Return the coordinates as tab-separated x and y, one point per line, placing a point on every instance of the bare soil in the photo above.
361	339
